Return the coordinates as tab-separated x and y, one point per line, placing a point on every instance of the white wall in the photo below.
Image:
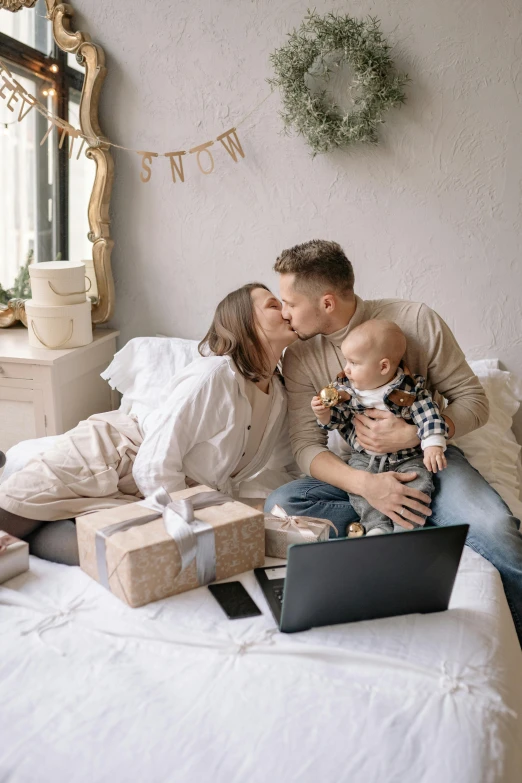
433	213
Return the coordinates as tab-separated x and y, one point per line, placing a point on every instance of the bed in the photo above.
91	690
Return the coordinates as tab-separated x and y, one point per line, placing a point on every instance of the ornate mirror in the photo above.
55	193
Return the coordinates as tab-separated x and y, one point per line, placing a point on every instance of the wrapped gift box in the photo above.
14	556
281	530
131	549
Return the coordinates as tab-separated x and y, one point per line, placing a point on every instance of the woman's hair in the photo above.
233	333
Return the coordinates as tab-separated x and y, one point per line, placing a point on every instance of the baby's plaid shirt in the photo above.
406	398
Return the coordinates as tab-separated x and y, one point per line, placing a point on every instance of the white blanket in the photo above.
91	690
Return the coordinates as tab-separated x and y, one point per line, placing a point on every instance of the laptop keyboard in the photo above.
278	592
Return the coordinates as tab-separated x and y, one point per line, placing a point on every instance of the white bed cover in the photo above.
91	690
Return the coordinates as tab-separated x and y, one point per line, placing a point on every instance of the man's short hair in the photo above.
318	266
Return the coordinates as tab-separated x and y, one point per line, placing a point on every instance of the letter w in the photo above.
231	143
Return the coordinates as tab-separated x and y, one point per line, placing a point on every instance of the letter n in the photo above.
176	166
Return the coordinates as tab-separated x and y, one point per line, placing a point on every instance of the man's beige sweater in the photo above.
432	351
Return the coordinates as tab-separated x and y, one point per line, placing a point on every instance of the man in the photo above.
317	280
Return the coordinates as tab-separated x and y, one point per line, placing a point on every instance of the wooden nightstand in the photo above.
48	392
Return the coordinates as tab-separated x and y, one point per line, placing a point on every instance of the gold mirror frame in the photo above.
92	58
16	5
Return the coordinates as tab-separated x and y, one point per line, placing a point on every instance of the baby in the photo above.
375	377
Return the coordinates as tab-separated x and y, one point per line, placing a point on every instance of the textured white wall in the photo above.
433	213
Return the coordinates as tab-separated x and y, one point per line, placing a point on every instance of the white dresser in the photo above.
46	392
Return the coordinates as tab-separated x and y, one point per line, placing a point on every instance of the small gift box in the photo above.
281	530
14	556
191	538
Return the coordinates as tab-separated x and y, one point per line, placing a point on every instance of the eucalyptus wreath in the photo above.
316	48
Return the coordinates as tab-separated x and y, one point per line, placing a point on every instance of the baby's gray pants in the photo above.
370	517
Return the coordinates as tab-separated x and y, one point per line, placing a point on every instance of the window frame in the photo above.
37	64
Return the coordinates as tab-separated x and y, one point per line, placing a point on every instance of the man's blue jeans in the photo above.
461	495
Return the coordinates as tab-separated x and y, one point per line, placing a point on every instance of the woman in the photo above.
222	423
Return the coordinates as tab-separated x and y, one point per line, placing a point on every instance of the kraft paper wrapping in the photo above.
144	562
282	530
14	556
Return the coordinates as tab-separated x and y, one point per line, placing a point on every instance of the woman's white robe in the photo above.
199	430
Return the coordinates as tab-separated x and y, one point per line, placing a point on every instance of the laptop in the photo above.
349	579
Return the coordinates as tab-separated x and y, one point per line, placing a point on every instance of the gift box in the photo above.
168	544
14	556
281	530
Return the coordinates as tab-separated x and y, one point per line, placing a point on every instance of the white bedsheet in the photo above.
91	690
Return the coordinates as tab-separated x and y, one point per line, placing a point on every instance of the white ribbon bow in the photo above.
304	525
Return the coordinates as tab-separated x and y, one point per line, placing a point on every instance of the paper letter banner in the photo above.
230	138
15	95
176	166
210	160
146	160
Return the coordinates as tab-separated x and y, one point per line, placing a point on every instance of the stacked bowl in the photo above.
59	314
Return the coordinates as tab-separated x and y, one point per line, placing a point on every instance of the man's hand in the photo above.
383	432
434	458
321	413
390	494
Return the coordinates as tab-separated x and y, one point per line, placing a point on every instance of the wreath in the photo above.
317	48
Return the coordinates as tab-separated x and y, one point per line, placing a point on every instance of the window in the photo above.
43	194
81	180
30	27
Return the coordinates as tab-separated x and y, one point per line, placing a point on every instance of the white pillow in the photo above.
143	367
139	372
493	449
